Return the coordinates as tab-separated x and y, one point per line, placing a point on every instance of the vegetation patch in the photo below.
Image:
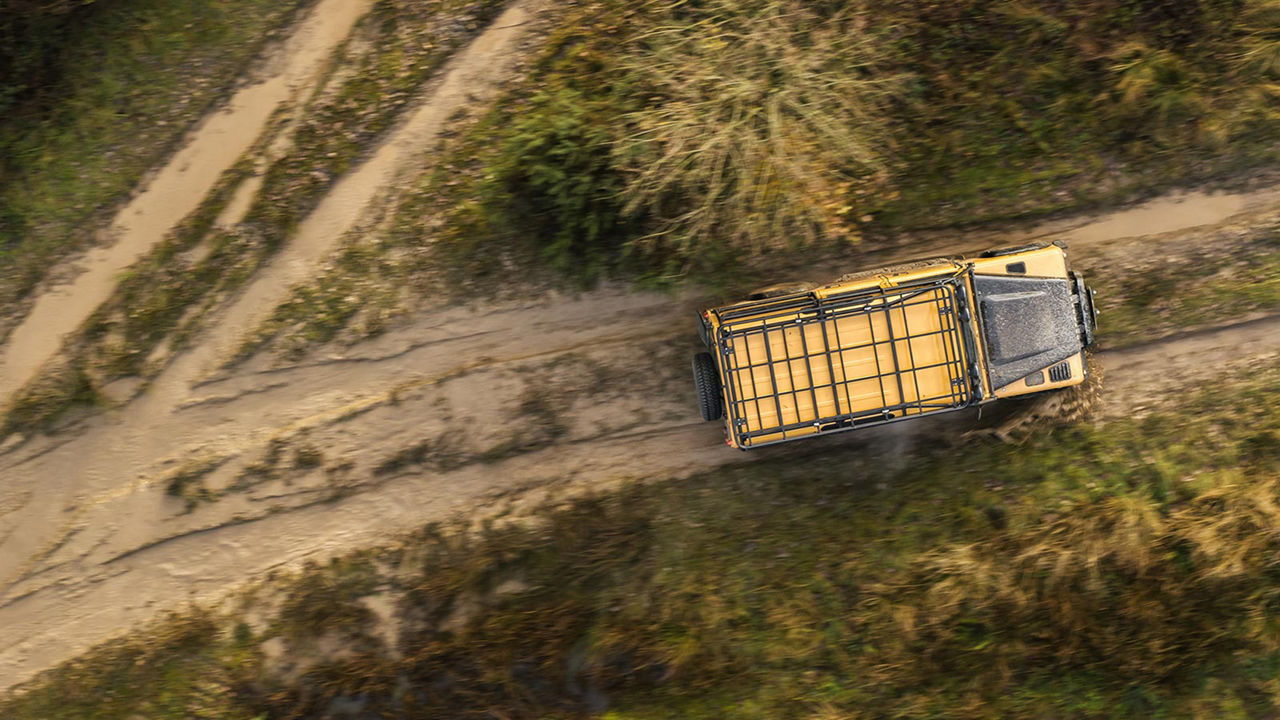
1126	570
702	138
38	405
182	669
663	142
187	481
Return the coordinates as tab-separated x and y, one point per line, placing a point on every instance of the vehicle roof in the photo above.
855	354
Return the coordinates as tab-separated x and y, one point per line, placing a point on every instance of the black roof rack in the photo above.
777	315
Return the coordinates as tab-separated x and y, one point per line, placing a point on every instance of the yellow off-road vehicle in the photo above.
893	344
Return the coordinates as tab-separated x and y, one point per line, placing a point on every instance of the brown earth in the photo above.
211	477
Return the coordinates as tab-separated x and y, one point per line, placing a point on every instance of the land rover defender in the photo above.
893	344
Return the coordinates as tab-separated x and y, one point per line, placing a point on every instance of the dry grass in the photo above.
763	123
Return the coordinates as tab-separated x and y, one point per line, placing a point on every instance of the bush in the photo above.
555	179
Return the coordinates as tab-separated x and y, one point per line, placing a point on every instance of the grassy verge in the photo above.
185	669
1120	571
132	78
953	113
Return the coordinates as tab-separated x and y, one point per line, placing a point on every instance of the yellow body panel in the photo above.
1078	373
1049	262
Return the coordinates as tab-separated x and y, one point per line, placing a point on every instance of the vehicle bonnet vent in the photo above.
1060	372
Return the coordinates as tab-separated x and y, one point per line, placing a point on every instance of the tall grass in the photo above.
762	123
741	127
1255	66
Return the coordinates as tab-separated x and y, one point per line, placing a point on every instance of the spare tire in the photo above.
707	381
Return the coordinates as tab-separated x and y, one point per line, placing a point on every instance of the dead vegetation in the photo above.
765	122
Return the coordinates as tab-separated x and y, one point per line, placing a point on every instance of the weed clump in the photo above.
187	481
62	385
555	179
763	122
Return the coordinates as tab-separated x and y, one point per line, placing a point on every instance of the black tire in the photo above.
707	381
1001	252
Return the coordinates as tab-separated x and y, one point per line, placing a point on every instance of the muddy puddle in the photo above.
1169	213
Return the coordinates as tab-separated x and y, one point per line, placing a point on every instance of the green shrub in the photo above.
556	180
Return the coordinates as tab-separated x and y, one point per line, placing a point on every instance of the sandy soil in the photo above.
208	480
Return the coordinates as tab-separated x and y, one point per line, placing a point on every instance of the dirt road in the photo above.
205	482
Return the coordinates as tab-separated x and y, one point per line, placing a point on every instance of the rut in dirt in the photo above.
470	78
176	190
135	537
52	493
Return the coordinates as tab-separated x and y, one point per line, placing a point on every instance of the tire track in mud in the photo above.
177	189
1144	375
471	76
139	433
203	560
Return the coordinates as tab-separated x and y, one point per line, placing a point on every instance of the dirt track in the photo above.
177	188
465	407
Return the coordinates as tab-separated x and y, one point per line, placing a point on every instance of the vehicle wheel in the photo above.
707	381
774	291
1001	252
